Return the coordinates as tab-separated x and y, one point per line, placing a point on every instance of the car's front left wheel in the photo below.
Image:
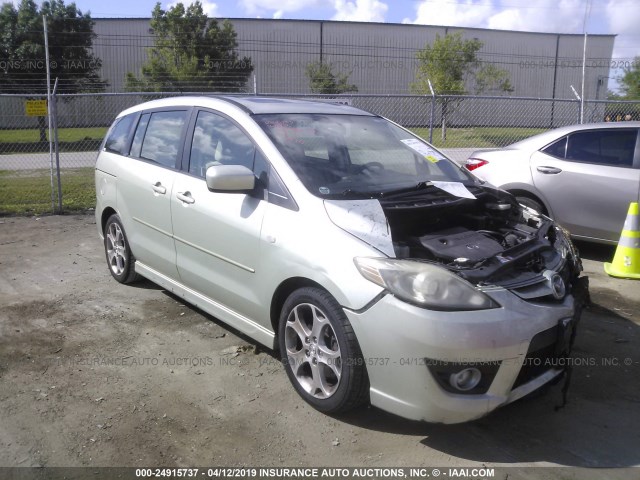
120	259
320	352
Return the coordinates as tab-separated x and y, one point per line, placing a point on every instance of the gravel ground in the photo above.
94	373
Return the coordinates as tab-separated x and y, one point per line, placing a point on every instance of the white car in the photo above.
380	270
583	176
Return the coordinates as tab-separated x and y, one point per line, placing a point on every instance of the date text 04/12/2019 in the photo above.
315	472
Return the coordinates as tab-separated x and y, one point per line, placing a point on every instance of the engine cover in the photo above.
457	243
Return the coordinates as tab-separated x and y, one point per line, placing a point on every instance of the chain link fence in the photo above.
46	162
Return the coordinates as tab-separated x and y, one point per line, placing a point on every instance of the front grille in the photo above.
540	290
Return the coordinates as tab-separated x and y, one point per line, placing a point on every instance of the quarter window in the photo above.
161	134
557	149
118	136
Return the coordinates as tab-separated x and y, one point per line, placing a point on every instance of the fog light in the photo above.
466	379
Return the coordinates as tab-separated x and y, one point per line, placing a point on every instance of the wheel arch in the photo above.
518	190
280	295
106	213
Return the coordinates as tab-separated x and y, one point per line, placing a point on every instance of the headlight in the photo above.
566	248
423	284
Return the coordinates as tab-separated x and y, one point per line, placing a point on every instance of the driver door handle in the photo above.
549	170
158	188
186	197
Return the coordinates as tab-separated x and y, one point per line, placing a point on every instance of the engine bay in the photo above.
487	240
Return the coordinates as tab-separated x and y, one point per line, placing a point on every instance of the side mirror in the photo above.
230	178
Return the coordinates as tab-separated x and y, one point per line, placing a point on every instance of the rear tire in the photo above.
320	352
120	259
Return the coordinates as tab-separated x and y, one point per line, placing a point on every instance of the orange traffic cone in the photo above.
626	261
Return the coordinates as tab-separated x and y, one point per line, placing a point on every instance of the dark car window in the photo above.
118	136
141	129
605	147
269	179
557	149
218	141
161	142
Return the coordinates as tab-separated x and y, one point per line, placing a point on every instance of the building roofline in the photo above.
290	20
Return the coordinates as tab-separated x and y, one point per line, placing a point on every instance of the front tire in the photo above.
120	259
320	352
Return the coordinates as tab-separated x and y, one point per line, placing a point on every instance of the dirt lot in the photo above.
93	373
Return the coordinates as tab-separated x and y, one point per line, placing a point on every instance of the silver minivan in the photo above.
380	270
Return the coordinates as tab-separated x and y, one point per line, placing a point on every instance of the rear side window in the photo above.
605	147
557	149
118	138
158	137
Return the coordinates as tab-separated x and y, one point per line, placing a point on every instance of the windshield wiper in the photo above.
351	193
398	192
405	190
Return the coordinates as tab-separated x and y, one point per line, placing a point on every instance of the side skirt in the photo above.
231	317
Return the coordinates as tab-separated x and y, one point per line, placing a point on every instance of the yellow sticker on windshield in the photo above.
432	159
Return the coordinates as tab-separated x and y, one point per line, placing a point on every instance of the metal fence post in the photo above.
579	103
56	143
49	115
579	99
433	106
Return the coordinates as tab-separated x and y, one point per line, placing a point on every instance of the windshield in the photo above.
356	156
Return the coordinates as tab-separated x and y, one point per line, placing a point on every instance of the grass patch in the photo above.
69	140
28	192
478	137
64	135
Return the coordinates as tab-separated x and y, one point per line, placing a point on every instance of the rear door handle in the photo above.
158	188
186	197
549	170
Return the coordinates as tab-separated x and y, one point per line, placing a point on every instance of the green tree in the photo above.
490	78
450	63
191	53
71	60
630	81
322	79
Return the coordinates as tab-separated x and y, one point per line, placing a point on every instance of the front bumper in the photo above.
400	341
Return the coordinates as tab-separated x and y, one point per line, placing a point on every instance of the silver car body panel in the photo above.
217	243
144	191
364	219
400	379
588	200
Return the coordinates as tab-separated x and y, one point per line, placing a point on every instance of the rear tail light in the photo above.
472	163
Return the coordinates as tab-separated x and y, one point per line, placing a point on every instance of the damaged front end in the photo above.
450	253
490	241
